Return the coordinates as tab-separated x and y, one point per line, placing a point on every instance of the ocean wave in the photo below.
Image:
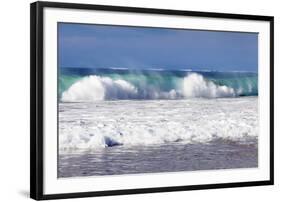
93	88
121	87
194	85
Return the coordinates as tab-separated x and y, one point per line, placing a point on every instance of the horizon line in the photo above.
161	69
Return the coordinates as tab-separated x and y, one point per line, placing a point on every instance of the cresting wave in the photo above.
93	88
194	85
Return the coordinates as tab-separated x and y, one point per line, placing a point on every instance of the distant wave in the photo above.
118	68
156	69
186	70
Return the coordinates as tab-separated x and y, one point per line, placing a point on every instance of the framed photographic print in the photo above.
136	100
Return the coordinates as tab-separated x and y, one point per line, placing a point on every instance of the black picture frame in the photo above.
36	98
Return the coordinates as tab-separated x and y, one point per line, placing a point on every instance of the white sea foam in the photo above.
140	123
194	85
94	88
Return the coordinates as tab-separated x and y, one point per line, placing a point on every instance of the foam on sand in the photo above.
102	124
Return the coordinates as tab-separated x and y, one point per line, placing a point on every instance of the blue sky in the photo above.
98	46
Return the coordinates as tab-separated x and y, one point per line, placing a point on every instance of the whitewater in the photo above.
131	123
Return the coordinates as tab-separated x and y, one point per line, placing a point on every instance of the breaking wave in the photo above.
194	85
93	88
122	87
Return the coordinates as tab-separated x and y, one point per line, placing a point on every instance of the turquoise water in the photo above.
156	84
